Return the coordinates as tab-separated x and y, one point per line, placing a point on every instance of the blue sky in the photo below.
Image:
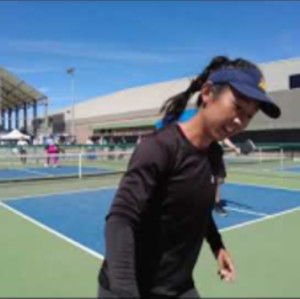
115	45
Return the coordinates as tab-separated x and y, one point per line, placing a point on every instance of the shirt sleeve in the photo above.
146	167
213	236
120	258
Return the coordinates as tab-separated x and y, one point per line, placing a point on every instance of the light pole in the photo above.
71	71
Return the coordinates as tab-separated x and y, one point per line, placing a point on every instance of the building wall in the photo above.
82	133
130	100
85	127
289	102
277	73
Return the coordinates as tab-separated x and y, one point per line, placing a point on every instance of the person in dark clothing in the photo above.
221	175
162	210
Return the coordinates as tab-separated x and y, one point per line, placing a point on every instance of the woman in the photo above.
52	150
162	210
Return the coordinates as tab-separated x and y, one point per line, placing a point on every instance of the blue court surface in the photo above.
40	172
81	215
292	168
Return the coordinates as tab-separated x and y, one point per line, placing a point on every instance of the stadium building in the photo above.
134	111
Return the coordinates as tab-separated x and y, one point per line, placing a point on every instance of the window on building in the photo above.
295	81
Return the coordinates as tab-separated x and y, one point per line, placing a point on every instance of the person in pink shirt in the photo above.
52	151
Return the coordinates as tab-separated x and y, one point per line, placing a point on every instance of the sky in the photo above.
115	45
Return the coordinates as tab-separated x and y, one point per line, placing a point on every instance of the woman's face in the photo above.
227	113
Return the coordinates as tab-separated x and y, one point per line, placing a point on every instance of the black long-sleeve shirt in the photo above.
159	218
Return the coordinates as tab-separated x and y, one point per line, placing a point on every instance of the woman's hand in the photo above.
226	268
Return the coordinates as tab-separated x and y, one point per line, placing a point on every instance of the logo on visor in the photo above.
262	85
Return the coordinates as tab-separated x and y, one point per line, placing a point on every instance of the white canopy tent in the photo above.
14	135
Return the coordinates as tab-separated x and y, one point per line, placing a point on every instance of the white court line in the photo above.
247	223
244	211
262	186
115	187
99	256
58	193
54	232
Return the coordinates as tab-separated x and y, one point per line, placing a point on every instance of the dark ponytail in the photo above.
175	106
